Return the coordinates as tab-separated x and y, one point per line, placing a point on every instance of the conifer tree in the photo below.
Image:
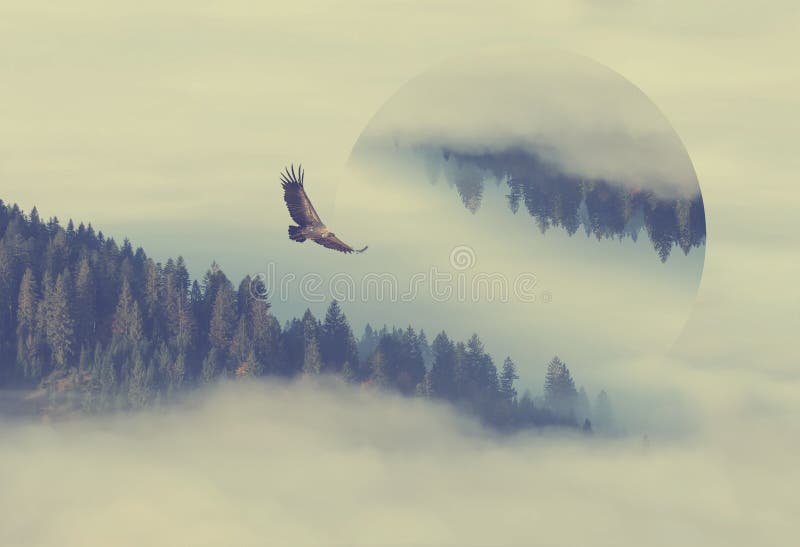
312	360
223	319
84	306
442	375
380	368
153	316
127	323
60	330
559	388
29	338
410	366
509	374
266	332
140	392
241	344
349	373
337	343
211	366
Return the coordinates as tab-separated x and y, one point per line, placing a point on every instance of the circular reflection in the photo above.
536	198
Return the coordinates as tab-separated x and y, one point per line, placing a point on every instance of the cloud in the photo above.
325	464
571	112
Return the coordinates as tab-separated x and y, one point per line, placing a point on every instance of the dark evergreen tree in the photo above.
337	343
559	388
85	304
127	323
223	319
29	338
59	324
509	374
442	376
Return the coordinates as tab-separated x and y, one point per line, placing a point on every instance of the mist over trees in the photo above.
555	199
102	327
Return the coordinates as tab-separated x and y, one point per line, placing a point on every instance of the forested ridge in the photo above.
103	327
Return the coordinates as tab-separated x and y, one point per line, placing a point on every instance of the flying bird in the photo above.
303	213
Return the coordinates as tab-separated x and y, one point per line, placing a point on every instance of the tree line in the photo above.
104	327
555	199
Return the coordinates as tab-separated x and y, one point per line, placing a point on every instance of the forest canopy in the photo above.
103	327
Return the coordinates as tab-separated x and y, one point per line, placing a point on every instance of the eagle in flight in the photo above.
303	213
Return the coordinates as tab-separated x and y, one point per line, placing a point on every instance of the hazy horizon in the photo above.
170	123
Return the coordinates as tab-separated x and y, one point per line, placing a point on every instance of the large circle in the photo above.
551	196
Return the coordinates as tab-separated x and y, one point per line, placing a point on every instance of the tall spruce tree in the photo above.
337	343
84	305
507	377
559	388
127	322
59	322
442	376
29	338
223	319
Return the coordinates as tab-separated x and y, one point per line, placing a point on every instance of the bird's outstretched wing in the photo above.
333	242
294	194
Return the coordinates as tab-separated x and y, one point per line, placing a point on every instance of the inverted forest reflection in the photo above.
604	209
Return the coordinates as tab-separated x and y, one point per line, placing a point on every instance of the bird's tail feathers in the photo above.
295	235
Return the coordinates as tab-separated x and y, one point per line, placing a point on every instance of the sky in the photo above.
169	123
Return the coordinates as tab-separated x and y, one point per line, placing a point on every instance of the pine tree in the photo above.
509	374
442	375
411	367
559	388
127	323
178	373
312	360
211	366
60	330
349	373
337	343
293	347
266	332
367	343
8	301
140	392
153	316
241	344
29	339
181	323
379	366
84	306
223	319
425	348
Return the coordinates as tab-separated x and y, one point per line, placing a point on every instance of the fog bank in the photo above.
312	464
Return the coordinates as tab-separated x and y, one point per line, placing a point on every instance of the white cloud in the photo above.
308	464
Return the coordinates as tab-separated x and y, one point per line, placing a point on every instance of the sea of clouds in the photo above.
322	463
